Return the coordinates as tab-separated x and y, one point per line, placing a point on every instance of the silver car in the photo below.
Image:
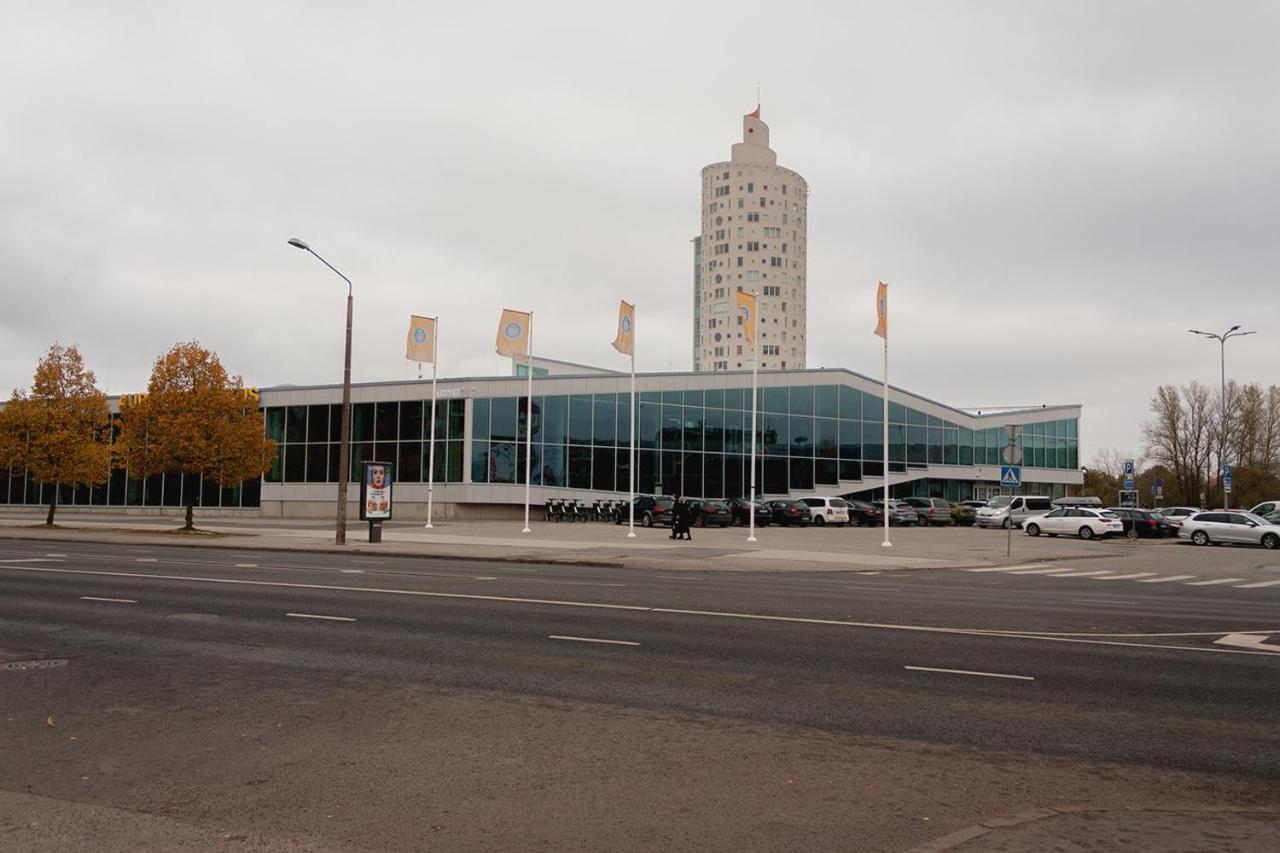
900	513
1237	528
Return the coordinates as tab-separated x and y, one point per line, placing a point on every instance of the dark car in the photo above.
863	514
738	509
708	513
650	510
789	512
1145	523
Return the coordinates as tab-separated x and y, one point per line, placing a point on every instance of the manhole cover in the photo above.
23	665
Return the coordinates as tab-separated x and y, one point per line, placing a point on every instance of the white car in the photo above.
1266	508
1075	521
827	510
1239	528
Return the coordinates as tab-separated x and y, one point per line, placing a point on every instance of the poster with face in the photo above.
375	498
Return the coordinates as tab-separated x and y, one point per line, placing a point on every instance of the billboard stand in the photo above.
375	497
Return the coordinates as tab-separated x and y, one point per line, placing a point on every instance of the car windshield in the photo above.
1000	501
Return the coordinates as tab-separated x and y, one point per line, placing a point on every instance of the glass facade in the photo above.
397	431
697	442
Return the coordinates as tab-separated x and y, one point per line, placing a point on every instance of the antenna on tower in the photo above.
757	96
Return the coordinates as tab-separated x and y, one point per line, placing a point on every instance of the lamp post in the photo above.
1233	332
344	448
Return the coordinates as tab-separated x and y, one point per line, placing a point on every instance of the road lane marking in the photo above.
1079	575
146	559
1216	581
1257	585
352	571
876	588
1167	579
55	555
1249	641
48	560
1009	568
1085	639
592	640
1129	576
320	616
246	565
109	600
1039	571
970	672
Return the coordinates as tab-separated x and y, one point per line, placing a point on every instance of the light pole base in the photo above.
886	544
631	535
429	526
751	539
526	530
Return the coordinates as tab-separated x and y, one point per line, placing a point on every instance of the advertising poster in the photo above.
375	491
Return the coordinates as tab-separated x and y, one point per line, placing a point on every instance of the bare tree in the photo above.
1180	437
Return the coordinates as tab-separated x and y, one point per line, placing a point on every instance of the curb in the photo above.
952	840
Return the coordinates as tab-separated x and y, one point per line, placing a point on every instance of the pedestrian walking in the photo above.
680	526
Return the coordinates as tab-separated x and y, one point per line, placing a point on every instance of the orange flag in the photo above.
882	310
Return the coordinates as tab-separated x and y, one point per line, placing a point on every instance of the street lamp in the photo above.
344	449
1233	332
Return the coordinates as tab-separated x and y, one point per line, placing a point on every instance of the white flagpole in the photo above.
886	543
631	521
528	431
755	366
431	453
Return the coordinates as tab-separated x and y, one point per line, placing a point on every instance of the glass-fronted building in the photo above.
818	432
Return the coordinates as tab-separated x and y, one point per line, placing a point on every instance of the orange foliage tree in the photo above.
60	431
194	419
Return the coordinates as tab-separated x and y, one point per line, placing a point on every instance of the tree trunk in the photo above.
53	507
190	513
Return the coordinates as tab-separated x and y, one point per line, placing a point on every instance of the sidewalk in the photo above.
599	544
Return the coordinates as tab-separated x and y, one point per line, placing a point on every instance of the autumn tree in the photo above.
1181	438
60	430
194	419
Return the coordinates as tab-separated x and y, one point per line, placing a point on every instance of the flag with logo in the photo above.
747	315
625	343
882	310
421	345
513	333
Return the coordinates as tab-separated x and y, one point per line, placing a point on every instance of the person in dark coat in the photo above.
675	517
683	518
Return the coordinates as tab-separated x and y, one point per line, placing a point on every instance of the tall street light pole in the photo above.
344	448
1233	332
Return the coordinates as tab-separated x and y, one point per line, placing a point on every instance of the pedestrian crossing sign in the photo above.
1011	476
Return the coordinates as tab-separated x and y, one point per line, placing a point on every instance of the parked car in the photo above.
1005	510
739	508
863	514
1266	508
1087	501
789	512
974	504
650	510
1178	513
963	513
900	513
1075	521
706	513
932	511
1144	523
1238	528
827	510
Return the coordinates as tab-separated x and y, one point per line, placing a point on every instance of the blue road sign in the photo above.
1128	470
1226	477
1159	481
1128	485
1011	476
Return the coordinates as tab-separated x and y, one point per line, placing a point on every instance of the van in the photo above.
827	510
1085	502
1003	510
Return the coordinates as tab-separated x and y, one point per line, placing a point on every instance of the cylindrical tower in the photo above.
754	217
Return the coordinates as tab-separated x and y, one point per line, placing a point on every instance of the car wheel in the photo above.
1131	533
1200	537
819	521
1007	524
1033	530
1086	533
1271	542
646	520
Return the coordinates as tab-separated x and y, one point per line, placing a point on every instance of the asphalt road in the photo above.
1020	667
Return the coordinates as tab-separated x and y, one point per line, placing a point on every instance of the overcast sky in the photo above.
1055	191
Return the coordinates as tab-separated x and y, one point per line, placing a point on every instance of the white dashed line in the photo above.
146	559
109	600
1129	576
1078	574
319	616
1216	582
1257	585
1009	568
592	640
1167	579
55	555
1038	571
352	571
970	672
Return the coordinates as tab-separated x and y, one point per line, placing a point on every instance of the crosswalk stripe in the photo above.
1128	576
1077	574
1168	579
1257	585
1215	582
1007	568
